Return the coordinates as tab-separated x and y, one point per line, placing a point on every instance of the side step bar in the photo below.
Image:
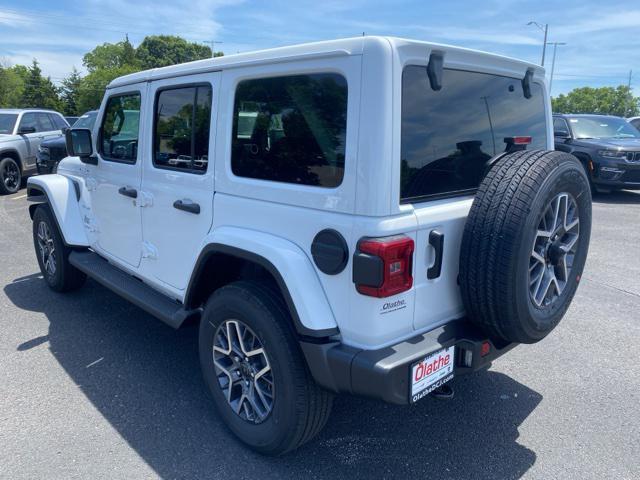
170	312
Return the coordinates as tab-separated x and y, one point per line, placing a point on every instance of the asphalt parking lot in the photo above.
92	387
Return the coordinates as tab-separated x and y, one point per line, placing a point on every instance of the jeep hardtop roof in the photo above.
349	46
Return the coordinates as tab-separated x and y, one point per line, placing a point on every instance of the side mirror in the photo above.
26	130
561	134
79	144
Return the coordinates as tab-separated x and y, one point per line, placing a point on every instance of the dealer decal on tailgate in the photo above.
431	372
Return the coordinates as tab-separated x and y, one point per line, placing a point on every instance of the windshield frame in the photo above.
572	120
13	126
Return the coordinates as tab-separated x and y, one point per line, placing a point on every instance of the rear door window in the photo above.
449	135
183	117
44	123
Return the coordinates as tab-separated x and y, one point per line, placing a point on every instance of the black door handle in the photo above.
128	192
436	240
187	206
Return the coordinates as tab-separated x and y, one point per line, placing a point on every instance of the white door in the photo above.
114	183
178	176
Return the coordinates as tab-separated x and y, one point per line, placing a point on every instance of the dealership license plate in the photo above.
431	372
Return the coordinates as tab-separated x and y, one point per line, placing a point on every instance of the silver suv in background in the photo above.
21	132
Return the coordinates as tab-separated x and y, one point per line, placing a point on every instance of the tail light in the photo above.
383	266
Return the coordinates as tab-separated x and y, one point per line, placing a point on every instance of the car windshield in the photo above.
86	121
7	122
604	127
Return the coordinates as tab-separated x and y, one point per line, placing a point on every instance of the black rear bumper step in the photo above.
384	373
170	312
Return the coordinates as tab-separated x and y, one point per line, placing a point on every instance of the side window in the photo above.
120	128
636	123
44	123
291	129
182	124
29	120
58	121
559	125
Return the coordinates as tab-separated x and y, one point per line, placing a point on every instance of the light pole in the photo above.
213	46
545	29
553	62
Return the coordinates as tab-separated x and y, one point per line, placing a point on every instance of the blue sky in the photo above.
602	38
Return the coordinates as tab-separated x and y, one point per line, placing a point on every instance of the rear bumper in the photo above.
384	373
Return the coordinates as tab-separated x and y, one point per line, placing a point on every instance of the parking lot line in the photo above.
19	197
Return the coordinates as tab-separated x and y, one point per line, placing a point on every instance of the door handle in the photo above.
187	206
128	192
436	240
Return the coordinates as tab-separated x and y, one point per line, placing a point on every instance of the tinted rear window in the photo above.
449	135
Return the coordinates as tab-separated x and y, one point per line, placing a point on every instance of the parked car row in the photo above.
32	141
21	133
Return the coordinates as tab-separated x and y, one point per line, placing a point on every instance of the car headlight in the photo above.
612	153
42	149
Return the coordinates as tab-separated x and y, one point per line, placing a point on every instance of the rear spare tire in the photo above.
525	244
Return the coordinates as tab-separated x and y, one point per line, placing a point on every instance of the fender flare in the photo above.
13	153
302	292
62	195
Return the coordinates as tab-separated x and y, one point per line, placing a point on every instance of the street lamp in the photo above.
545	29
553	62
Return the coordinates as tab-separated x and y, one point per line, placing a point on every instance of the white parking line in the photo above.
19	197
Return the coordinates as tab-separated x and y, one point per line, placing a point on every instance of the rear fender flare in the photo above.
287	263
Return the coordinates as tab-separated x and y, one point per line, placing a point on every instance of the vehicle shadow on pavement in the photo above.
621	196
144	378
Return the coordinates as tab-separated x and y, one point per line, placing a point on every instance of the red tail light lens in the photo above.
392	257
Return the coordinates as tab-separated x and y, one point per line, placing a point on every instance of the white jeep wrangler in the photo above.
372	216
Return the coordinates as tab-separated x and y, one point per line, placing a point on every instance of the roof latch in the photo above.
526	83
434	70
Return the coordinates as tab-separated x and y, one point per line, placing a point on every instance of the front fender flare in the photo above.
62	196
301	290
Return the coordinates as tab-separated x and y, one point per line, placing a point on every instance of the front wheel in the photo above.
53	254
253	366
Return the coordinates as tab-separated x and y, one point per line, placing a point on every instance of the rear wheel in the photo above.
53	254
10	176
525	244
255	370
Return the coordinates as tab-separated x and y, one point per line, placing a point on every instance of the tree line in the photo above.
618	101
26	87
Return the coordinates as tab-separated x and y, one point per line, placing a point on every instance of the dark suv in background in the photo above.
609	148
52	151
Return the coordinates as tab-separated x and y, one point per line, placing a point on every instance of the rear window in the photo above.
449	135
291	129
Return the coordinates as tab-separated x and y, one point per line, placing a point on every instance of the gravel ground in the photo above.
92	387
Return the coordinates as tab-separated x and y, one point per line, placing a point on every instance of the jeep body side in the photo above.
359	250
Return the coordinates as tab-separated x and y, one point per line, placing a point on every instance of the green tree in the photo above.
39	91
69	93
111	56
617	101
11	86
92	86
162	50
